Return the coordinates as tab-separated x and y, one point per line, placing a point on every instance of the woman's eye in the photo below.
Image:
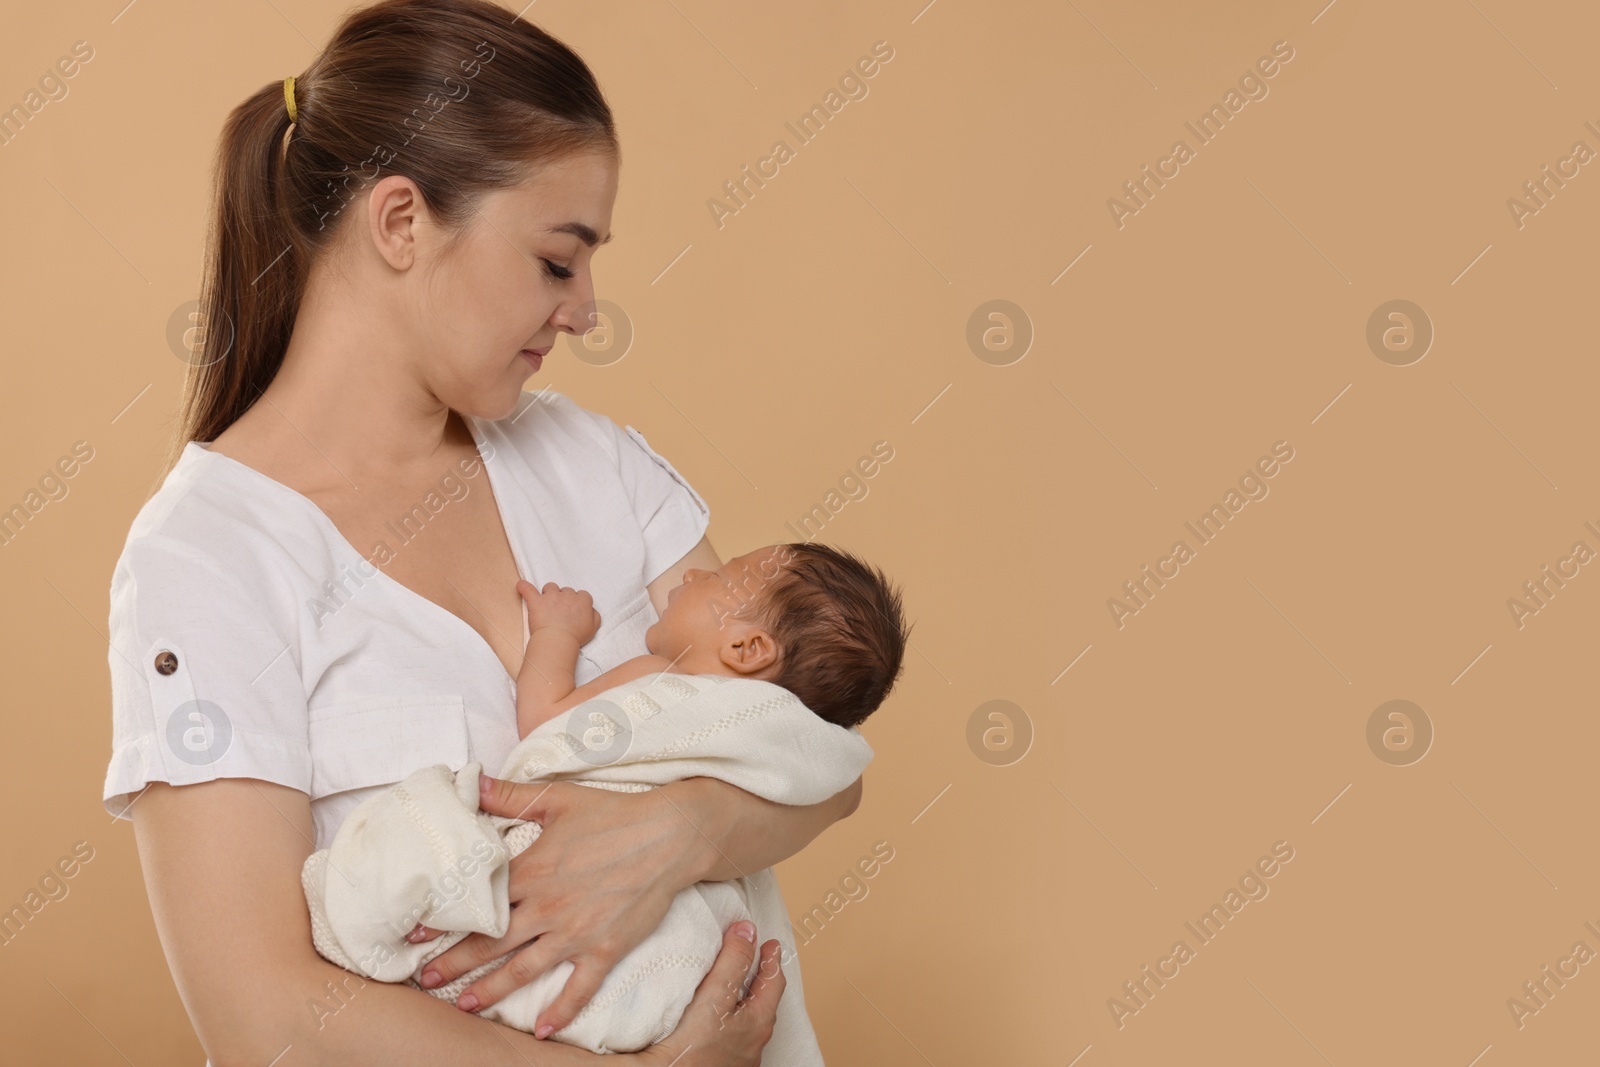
556	270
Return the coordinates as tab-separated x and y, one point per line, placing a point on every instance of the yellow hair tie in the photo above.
288	98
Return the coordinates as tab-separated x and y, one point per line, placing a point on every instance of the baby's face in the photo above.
700	609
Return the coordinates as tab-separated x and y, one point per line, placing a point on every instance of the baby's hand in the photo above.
562	608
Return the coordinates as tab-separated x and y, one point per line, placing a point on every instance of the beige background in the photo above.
829	314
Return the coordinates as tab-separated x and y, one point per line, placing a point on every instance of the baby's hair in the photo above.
840	630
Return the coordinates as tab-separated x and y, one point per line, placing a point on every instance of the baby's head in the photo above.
817	621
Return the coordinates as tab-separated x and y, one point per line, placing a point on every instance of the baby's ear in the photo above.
754	651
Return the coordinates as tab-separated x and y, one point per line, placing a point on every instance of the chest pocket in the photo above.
379	740
621	637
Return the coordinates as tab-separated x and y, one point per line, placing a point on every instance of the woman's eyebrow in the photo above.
582	232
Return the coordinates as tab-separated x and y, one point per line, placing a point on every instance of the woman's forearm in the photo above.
222	863
337	1018
738	833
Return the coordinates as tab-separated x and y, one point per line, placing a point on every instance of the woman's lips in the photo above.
534	356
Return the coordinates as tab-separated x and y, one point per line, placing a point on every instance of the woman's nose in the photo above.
578	315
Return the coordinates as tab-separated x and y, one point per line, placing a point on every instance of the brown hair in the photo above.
840	630
457	95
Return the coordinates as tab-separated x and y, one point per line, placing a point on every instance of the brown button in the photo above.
166	662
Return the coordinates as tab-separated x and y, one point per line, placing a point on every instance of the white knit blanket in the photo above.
422	851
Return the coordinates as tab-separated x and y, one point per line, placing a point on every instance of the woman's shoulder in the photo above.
214	517
551	431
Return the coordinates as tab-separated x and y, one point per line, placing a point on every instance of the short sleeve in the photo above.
205	676
671	514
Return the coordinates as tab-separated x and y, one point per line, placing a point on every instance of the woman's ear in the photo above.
394	208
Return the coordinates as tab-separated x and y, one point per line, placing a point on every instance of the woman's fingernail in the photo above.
415	935
468	1002
485	784
544	1031
744	929
429	979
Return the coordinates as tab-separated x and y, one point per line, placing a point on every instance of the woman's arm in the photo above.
222	865
737	833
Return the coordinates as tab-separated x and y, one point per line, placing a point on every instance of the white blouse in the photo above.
250	639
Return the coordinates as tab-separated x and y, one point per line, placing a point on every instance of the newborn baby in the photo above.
806	617
758	674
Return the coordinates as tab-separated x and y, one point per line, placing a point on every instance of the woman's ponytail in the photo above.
252	279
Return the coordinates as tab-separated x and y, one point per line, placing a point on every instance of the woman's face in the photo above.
491	308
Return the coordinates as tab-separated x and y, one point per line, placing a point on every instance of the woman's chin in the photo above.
494	407
493	402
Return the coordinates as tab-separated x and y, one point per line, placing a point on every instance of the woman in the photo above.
321	596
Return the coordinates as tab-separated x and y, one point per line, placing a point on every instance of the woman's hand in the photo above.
718	1028
604	871
598	880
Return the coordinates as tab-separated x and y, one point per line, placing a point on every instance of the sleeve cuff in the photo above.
671	535
135	764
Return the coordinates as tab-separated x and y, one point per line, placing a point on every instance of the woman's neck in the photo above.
348	399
